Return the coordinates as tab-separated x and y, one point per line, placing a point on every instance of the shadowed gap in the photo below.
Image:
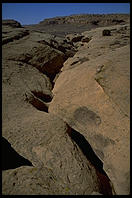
10	158
87	150
44	97
104	182
38	103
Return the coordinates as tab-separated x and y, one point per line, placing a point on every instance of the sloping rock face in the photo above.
42	159
92	94
58	165
65	113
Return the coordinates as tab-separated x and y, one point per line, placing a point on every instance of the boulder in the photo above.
106	33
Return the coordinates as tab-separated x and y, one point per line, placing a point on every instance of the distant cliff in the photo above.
91	19
60	26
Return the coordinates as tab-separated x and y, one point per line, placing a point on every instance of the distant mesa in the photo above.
93	19
12	23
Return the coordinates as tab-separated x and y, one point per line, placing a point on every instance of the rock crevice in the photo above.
61	109
104	181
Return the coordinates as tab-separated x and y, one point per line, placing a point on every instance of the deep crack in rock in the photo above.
104	181
37	103
44	97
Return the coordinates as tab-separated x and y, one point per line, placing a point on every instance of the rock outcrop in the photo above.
12	23
58	165
65	111
28	70
93	97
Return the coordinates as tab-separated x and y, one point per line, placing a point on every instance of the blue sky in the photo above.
33	13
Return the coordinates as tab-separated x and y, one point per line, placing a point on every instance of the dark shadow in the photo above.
38	104
10	158
104	182
87	150
44	97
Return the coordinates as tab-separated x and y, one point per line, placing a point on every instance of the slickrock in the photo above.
59	165
34	136
65	109
93	98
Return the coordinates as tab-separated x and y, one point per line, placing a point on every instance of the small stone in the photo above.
106	33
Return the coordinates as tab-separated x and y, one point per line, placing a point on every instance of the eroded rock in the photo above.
42	139
87	96
12	23
99	111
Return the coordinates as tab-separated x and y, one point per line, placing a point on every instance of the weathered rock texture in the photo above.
93	97
65	111
35	137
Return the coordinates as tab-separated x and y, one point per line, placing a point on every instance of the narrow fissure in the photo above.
10	158
39	99
51	76
104	181
37	103
44	97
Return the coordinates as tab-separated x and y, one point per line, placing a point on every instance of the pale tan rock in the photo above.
81	100
100	111
42	139
59	165
96	193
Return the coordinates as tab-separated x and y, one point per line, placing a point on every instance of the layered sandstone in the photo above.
65	111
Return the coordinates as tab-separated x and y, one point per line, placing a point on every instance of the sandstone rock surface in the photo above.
58	165
65	111
93	97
